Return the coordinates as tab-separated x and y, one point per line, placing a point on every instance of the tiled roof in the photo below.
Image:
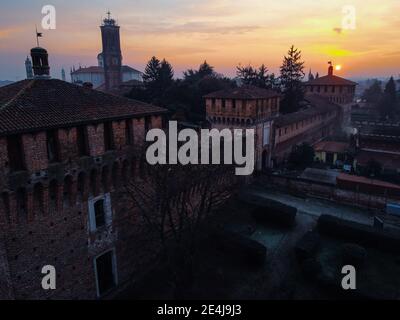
317	105
93	69
330	80
366	181
129	69
319	175
331	146
31	105
97	69
387	160
244	92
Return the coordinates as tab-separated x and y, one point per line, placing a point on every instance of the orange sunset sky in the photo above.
224	32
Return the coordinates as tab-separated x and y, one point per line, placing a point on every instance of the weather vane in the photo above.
38	35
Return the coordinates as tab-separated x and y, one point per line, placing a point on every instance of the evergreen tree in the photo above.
165	75
246	74
389	102
291	80
301	156
157	78
205	70
151	71
390	91
256	77
373	94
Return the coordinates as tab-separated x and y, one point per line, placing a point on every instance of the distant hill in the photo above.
5	82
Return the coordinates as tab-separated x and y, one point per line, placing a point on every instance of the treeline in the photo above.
184	97
385	100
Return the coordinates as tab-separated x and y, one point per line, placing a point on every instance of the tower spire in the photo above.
111	55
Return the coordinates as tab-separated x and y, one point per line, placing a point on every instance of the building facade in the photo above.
66	152
336	90
109	73
246	107
318	121
275	134
95	75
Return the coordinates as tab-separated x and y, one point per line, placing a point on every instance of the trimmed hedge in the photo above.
307	246
248	250
311	268
273	211
353	254
387	240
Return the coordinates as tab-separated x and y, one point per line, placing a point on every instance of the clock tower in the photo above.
112	57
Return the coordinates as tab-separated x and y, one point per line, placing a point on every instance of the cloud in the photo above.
338	30
9	32
199	27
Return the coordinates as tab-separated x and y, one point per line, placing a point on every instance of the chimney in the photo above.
330	69
40	63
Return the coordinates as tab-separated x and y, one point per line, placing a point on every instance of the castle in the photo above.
326	110
66	153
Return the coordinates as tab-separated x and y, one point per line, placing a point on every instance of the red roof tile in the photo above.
31	105
331	146
97	69
244	92
331	80
93	69
316	105
387	160
367	181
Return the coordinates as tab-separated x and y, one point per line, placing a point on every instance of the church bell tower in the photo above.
112	57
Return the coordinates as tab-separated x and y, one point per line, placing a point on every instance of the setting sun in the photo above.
338	67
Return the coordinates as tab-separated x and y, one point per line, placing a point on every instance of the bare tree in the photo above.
173	202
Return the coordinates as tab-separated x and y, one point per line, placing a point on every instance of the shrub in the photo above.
353	254
275	212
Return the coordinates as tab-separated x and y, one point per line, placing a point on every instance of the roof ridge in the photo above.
19	93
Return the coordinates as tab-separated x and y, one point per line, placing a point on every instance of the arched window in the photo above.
125	171
21	204
81	185
53	196
93	182
105	178
6	206
133	168
67	191
38	198
115	175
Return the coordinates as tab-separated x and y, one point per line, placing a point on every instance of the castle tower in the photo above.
40	61
63	74
28	68
112	57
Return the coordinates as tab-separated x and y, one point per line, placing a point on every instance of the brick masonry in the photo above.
44	213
